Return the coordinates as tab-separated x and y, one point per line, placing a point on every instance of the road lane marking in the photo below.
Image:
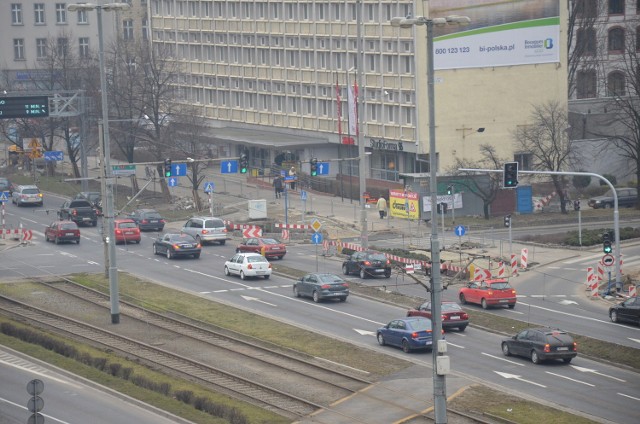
628	396
517	377
502	359
571	379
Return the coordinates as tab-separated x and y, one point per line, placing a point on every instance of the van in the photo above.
206	229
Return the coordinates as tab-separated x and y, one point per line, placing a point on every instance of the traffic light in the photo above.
244	163
450	190
507	221
510	176
576	205
314	166
606	243
167	167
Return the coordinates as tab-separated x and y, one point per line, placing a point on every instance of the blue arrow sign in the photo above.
54	155
316	238
208	187
323	168
460	230
229	167
303	195
178	169
172	182
4	197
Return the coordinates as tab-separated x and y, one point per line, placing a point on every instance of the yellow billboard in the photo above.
404	204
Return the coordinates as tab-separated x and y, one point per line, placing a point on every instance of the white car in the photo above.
248	265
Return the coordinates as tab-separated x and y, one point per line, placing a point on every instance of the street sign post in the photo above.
460	230
123	169
55	155
229	167
608	260
209	186
172	181
316	225
24	107
4	196
178	169
323	168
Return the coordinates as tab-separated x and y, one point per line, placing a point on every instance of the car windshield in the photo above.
500	286
419	325
152	215
330	278
127	225
182	237
269	241
255	259
213	223
30	191
450	307
377	257
69	226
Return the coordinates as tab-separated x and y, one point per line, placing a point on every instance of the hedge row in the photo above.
232	415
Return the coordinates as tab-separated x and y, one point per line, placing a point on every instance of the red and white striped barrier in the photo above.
285	235
541	203
594	289
599	271
501	270
514	264
251	231
408	268
325	245
524	256
27	235
481	274
633	291
15	232
294	226
590	275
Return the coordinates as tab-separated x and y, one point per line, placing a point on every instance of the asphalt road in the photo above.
475	354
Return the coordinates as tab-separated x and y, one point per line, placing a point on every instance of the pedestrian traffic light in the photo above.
244	163
167	167
507	221
606	243
314	166
576	205
450	190
510	176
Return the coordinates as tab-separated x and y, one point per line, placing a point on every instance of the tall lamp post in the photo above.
440	362
107	182
362	164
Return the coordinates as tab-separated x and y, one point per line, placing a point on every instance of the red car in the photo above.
267	247
453	316
488	293
126	231
61	231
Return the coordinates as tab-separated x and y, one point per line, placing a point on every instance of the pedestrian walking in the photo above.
277	185
382	207
292	173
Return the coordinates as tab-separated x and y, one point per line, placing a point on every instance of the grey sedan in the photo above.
321	286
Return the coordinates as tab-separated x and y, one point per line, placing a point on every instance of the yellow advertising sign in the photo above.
404	204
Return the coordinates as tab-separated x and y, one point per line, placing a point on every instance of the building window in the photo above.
16	14
586	42
616	7
18	49
615	84
83	17
63	45
145	29
524	161
127	28
61	13
41	48
616	40
83	45
586	84
587	9
38	11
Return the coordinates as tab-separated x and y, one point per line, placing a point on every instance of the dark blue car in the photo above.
411	333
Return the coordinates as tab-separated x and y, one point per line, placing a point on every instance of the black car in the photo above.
540	344
175	245
94	197
628	311
148	219
367	264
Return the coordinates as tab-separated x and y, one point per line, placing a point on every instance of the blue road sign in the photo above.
323	168
303	195
208	187
460	230
229	167
316	238
4	196
283	173
178	169
54	155
172	181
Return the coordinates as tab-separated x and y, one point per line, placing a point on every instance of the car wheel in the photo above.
94	223
196	256
567	360
242	276
226	271
363	274
296	293
56	241
462	299
266	277
281	257
505	349
607	206
462	328
534	357
237	250
614	316
222	242
138	241
169	254
405	346
387	274
345	269
343	299
199	241
381	339
155	250
316	297
78	241
512	305
483	302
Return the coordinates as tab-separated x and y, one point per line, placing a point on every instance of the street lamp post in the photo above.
107	182
440	362
362	165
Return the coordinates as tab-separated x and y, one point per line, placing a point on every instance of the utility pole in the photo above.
360	112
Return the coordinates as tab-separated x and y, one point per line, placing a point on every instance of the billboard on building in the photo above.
501	33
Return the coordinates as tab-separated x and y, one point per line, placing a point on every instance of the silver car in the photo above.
206	229
27	195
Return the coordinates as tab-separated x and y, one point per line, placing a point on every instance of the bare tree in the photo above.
582	36
546	138
487	191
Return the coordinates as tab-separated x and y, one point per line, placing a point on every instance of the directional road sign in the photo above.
316	238
123	169
4	196
56	155
316	225
178	169
303	195
209	186
229	167
323	168
608	260
172	181
460	230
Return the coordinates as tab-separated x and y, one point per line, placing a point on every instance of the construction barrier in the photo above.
524	256
633	291
599	271
590	276
285	235
501	270
514	265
